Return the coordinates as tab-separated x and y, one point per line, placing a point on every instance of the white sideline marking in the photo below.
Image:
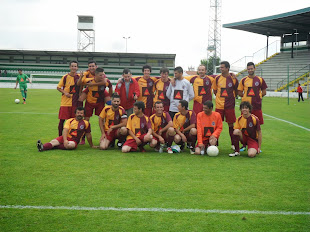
24	113
294	124
155	210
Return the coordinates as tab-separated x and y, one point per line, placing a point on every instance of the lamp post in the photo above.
126	38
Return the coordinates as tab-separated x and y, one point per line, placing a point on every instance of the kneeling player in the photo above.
209	128
247	127
184	123
112	122
162	128
72	133
139	129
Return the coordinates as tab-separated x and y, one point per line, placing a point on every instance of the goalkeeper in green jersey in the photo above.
22	80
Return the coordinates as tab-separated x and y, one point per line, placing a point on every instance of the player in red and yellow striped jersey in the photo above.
202	85
87	76
112	123
209	127
70	94
225	89
139	129
248	130
96	95
147	89
162	127
73	131
161	87
252	88
184	123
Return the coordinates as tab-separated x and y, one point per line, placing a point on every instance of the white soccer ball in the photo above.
212	151
17	101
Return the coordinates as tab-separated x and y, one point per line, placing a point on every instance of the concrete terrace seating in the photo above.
56	71
275	70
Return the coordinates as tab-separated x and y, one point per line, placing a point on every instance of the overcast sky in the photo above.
161	26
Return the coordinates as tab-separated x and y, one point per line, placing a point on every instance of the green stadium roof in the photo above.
276	25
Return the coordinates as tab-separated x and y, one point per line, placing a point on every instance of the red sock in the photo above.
60	126
170	140
231	133
60	146
47	146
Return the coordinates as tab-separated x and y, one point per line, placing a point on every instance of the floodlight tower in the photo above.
86	33
214	35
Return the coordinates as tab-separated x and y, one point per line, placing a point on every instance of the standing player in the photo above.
184	124
209	128
85	80
146	87
74	129
248	130
161	87
139	129
181	90
202	85
252	88
96	95
128	90
299	90
22	81
162	127
112	123
70	95
225	89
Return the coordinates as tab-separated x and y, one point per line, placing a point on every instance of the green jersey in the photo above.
22	79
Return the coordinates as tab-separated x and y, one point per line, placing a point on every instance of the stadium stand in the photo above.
275	70
46	68
292	64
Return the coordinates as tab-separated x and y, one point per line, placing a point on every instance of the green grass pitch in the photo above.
277	180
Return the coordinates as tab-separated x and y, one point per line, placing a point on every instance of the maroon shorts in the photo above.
89	108
259	114
112	135
148	111
198	107
252	143
60	139
66	112
133	144
229	115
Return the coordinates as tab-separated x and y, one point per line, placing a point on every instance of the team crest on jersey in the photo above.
150	83
82	127
117	117
166	88
201	90
250	124
178	94
229	85
142	124
145	92
208	131
250	92
256	83
186	120
207	82
224	92
102	88
161	95
213	123
138	132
